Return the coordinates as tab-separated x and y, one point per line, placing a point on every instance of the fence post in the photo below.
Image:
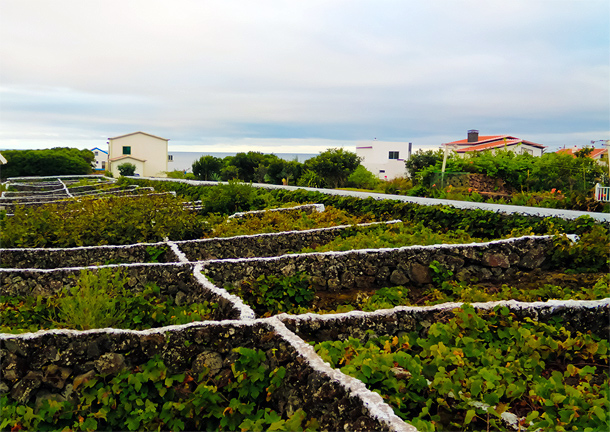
597	193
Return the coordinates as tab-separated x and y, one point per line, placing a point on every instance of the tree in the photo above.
362	178
422	159
334	166
127	169
55	161
247	164
206	167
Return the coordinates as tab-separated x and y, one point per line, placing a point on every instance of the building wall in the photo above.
140	167
101	159
376	158
150	149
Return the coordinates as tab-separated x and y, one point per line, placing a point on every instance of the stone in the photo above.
56	376
207	359
81	379
110	363
22	391
398	278
496	260
419	273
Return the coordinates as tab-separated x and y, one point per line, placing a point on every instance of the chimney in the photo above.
473	135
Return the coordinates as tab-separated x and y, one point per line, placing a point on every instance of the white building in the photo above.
101	159
385	159
147	152
494	143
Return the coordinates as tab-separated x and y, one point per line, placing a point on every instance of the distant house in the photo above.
385	159
147	152
476	143
597	154
101	159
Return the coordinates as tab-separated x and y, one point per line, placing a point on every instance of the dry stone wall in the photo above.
176	281
272	244
580	316
377	268
51	365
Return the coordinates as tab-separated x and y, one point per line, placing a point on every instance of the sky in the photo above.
303	76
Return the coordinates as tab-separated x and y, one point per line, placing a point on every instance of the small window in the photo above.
103	165
393	155
381	171
95	153
170	158
126	150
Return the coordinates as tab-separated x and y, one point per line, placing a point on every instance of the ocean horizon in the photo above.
184	160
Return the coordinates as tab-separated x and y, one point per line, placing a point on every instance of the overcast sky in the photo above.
300	77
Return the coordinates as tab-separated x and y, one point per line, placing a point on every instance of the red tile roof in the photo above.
481	140
595	154
497	144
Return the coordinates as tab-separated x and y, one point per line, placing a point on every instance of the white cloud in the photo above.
341	70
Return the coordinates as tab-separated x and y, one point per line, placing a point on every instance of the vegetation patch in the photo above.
232	395
99	300
480	370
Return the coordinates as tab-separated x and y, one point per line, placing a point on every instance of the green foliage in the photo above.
155	253
127	169
391	236
206	167
422	159
362	178
311	179
99	300
150	397
588	254
48	162
334	166
278	221
464	373
90	221
270	295
95	302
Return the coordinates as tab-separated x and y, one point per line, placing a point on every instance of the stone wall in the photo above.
176	281
272	244
377	268
266	245
84	256
51	365
580	316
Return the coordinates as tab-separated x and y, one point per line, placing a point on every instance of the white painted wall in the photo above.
376	158
101	159
147	148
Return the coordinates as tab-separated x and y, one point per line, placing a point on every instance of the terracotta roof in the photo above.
135	133
595	154
481	140
497	144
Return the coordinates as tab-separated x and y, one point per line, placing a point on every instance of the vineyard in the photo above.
158	305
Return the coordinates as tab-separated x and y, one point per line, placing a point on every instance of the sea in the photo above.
183	161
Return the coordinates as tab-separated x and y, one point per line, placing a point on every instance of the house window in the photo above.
95	153
126	150
170	158
382	171
393	155
103	165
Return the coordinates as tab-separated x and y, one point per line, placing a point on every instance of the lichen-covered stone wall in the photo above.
52	364
272	244
176	281
376	268
581	316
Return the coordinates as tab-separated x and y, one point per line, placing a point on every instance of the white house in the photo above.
385	159
147	152
476	143
101	159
